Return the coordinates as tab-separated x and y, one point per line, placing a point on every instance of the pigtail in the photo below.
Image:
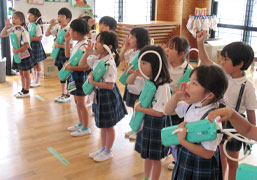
116	58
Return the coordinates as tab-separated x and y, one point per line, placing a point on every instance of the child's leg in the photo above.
157	167
110	136
232	165
148	168
223	158
27	79
37	68
82	110
22	79
63	87
103	137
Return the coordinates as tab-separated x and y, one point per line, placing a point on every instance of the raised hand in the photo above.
8	23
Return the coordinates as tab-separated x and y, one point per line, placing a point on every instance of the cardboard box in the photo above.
48	69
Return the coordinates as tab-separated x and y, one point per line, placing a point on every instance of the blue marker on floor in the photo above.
58	156
40	98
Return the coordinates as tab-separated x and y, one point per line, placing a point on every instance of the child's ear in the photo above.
241	64
181	54
210	96
110	46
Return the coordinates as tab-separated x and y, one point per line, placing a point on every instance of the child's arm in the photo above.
205	60
89	51
133	77
75	68
239	123
48	31
4	32
197	149
67	44
103	85
251	116
172	103
124	49
148	111
21	49
36	38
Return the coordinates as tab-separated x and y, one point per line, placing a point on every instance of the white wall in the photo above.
49	10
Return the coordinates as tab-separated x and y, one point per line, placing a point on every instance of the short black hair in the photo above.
142	36
66	12
80	26
110	38
239	52
213	79
109	21
153	59
180	44
86	18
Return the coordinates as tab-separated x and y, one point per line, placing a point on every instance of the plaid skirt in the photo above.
38	51
148	142
27	63
130	98
192	167
61	58
109	109
175	120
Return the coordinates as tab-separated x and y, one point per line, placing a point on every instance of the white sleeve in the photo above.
250	98
212	145
161	98
38	31
91	60
25	36
111	74
181	109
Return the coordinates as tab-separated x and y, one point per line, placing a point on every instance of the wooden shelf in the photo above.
160	31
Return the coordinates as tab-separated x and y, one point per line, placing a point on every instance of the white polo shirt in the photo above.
248	100
111	73
20	32
195	113
79	45
161	97
176	74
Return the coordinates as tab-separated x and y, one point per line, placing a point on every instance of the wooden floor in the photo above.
28	127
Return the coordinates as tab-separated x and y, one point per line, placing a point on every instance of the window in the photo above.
125	10
237	21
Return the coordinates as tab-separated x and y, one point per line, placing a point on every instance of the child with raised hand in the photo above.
240	95
239	123
107	23
177	51
34	16
200	95
64	17
108	105
18	26
78	31
148	141
138	38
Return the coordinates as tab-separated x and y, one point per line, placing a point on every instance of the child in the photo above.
148	141
89	20
107	23
34	16
177	51
27	63
240	95
108	105
138	38
201	94
78	30
64	17
239	123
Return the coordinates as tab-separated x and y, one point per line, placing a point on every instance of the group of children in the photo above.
172	104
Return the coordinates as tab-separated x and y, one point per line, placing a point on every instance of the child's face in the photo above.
227	65
132	41
99	49
194	91
91	22
146	67
62	20
103	27
31	17
173	55
73	34
16	20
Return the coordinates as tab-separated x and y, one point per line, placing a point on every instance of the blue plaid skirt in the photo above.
38	51
27	63
192	167
110	108
61	58
130	98
148	142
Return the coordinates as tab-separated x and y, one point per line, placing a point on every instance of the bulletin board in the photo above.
64	1
35	1
84	4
